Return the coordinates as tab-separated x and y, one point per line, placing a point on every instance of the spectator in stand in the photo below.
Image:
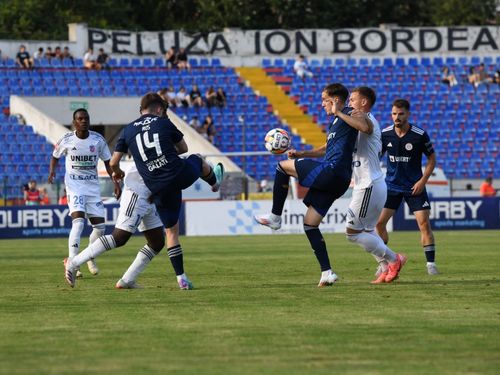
195	123
44	197
211	97
207	129
482	75
38	54
497	76
63	200
448	77
23	58
182	59
32	196
196	97
89	59
473	77
486	189
49	54
102	60
163	94
66	54
301	68
58	53
171	58
171	97
220	98
182	98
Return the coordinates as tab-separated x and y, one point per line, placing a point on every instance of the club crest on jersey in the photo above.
331	135
409	147
92	148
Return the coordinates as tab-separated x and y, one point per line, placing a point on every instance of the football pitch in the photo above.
255	309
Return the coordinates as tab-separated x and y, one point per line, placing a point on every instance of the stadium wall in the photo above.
237	47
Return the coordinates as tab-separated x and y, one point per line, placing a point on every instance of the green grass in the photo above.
255	310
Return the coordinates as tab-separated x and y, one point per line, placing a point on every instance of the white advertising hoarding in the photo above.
220	218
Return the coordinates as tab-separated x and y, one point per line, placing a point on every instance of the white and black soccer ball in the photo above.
277	141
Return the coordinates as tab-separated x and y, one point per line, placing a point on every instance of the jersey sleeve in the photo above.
428	149
121	144
59	148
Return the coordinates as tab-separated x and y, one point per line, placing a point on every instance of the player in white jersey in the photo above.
83	148
370	190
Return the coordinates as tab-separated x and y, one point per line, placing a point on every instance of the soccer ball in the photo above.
277	141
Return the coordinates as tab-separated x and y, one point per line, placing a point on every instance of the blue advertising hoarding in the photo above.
454	214
50	221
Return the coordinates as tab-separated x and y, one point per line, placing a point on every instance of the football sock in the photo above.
175	255
210	177
95	249
97	231
75	234
144	256
318	245
430	252
372	243
280	190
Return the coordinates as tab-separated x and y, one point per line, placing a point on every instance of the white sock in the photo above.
97	231
326	273
95	249
274	217
374	245
144	256
75	234
179	277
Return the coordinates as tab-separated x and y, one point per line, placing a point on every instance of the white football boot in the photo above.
269	220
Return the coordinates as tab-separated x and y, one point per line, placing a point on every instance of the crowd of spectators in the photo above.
182	99
26	61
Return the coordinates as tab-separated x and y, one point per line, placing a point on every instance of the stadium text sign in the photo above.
455	213
398	40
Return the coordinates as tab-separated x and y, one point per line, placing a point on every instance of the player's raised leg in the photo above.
284	170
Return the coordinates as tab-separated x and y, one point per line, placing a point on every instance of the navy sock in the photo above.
280	190
430	252
318	245
175	255
210	177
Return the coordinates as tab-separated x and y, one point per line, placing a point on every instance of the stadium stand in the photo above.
461	120
241	125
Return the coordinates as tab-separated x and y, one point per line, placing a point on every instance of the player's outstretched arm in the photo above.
419	186
118	188
358	120
52	169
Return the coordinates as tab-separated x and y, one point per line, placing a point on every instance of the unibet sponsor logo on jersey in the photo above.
399	159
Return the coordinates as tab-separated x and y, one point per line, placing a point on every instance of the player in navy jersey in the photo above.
405	143
327	179
155	144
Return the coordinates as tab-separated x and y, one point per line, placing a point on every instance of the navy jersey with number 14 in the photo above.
151	141
404	157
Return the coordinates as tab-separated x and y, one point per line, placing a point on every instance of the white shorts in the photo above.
136	213
90	204
366	206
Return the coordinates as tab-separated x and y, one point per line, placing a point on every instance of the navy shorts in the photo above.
415	202
325	183
169	202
